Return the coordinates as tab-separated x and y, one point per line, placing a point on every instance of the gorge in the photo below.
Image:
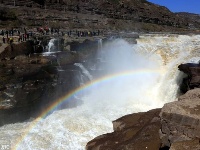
98	75
126	78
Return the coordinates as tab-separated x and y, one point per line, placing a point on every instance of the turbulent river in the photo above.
139	78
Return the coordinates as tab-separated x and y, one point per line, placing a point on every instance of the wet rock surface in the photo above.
192	80
32	79
29	82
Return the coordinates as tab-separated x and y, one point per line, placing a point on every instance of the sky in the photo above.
191	6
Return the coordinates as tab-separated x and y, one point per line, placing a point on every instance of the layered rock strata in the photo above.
137	15
30	82
181	119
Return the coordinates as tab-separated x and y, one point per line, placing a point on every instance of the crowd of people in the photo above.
23	35
78	33
83	33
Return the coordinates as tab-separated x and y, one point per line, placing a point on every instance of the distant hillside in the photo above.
193	19
139	15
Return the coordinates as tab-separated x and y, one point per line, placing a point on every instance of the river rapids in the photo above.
139	77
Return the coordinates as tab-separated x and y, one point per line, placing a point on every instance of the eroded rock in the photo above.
13	50
131	132
181	119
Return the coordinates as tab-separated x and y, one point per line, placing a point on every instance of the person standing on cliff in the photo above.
19	38
11	43
4	39
7	34
25	32
18	33
22	37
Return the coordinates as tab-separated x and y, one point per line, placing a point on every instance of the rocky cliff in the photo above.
192	19
180	121
30	81
138	15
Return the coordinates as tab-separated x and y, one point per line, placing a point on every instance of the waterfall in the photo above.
59	46
51	46
84	70
125	90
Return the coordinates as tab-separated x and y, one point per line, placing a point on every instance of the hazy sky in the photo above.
192	6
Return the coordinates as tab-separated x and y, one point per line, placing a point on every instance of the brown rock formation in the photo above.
14	50
180	120
186	145
139	15
192	19
131	132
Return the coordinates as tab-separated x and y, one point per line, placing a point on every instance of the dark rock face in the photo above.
86	44
193	19
193	76
131	132
14	50
30	82
7	15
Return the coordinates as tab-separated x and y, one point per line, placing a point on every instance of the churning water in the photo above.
137	78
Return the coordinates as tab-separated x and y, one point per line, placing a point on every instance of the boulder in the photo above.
193	76
181	119
14	50
131	132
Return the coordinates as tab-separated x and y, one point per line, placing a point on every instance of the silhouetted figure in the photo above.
22	37
18	32
4	40
25	36
19	38
7	34
11	40
2	32
11	43
25	31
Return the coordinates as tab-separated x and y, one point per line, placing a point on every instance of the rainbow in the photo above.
91	84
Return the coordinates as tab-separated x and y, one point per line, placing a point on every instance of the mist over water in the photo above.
136	78
130	81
